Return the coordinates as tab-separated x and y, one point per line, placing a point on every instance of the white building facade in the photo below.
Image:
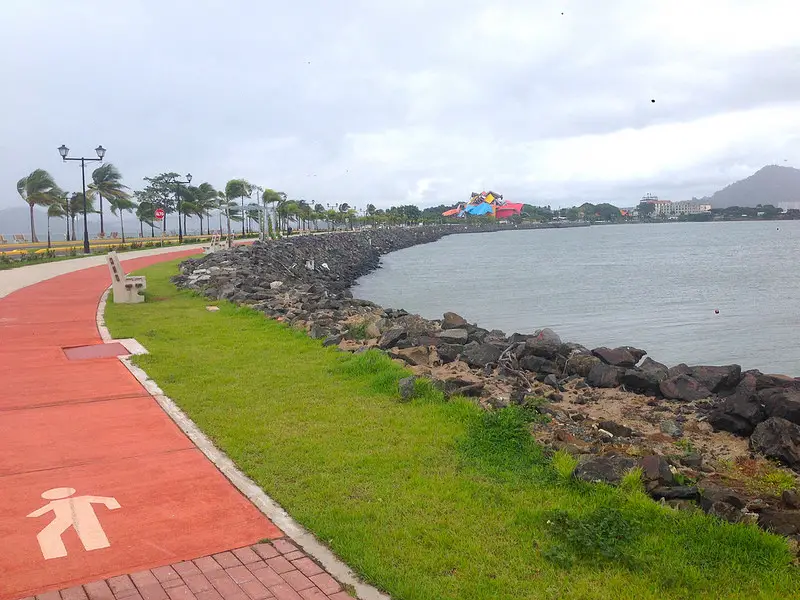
667	208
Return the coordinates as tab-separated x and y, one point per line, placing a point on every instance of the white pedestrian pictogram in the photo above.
76	512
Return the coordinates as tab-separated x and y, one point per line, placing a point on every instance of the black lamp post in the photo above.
178	198
101	152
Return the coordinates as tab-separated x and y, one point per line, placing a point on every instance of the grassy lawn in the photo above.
428	499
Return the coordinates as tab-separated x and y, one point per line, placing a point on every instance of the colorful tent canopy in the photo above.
479	209
483	204
508	209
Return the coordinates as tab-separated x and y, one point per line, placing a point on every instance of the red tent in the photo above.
508	209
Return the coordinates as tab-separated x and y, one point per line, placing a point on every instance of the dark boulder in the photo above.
480	355
791	498
453	336
406	387
782	522
624	356
654	368
764	381
781	402
604	376
453	321
581	364
615	429
639	380
721	502
637	353
779	439
608	469
332	340
552	381
740	412
717	379
477	334
656	471
544	343
318	332
711	492
517	338
391	337
449	352
539	364
681	369
678	492
683	387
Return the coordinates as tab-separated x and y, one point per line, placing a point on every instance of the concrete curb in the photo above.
242	482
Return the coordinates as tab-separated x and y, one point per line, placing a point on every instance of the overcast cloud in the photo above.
406	101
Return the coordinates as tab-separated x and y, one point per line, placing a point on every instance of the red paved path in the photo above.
89	425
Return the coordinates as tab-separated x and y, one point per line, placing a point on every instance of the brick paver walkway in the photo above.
270	570
90	427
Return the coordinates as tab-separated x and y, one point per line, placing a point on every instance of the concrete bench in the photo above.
215	245
19	238
127	289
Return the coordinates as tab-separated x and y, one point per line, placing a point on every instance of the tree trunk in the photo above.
66	220
200	216
141	229
244	217
228	214
33	227
121	225
152	231
48	232
102	231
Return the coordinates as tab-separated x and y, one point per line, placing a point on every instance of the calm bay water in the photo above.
651	286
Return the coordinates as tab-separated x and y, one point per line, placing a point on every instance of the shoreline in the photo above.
603	405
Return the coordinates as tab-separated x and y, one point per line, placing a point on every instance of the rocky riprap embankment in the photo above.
699	433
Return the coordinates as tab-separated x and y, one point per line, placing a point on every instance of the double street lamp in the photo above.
101	152
178	184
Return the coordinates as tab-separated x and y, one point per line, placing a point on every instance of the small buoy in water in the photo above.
716	311
653	100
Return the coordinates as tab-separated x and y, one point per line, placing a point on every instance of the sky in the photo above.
412	101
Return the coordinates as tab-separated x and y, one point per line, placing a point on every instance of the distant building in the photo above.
668	208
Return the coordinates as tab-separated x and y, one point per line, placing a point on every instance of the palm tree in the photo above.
75	207
238	188
106	181
272	198
189	204
121	204
229	208
64	201
57	209
145	212
38	188
205	200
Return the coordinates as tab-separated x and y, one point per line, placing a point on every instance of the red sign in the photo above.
159	213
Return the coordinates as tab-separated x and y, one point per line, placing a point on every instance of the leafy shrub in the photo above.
604	534
633	481
564	464
358	331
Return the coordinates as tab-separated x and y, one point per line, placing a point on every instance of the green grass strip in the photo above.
429	499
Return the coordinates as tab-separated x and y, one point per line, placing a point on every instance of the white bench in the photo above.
215	245
126	288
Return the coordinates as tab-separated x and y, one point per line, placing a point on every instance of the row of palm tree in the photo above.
40	189
267	208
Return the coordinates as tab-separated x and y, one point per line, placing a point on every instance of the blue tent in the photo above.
479	209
